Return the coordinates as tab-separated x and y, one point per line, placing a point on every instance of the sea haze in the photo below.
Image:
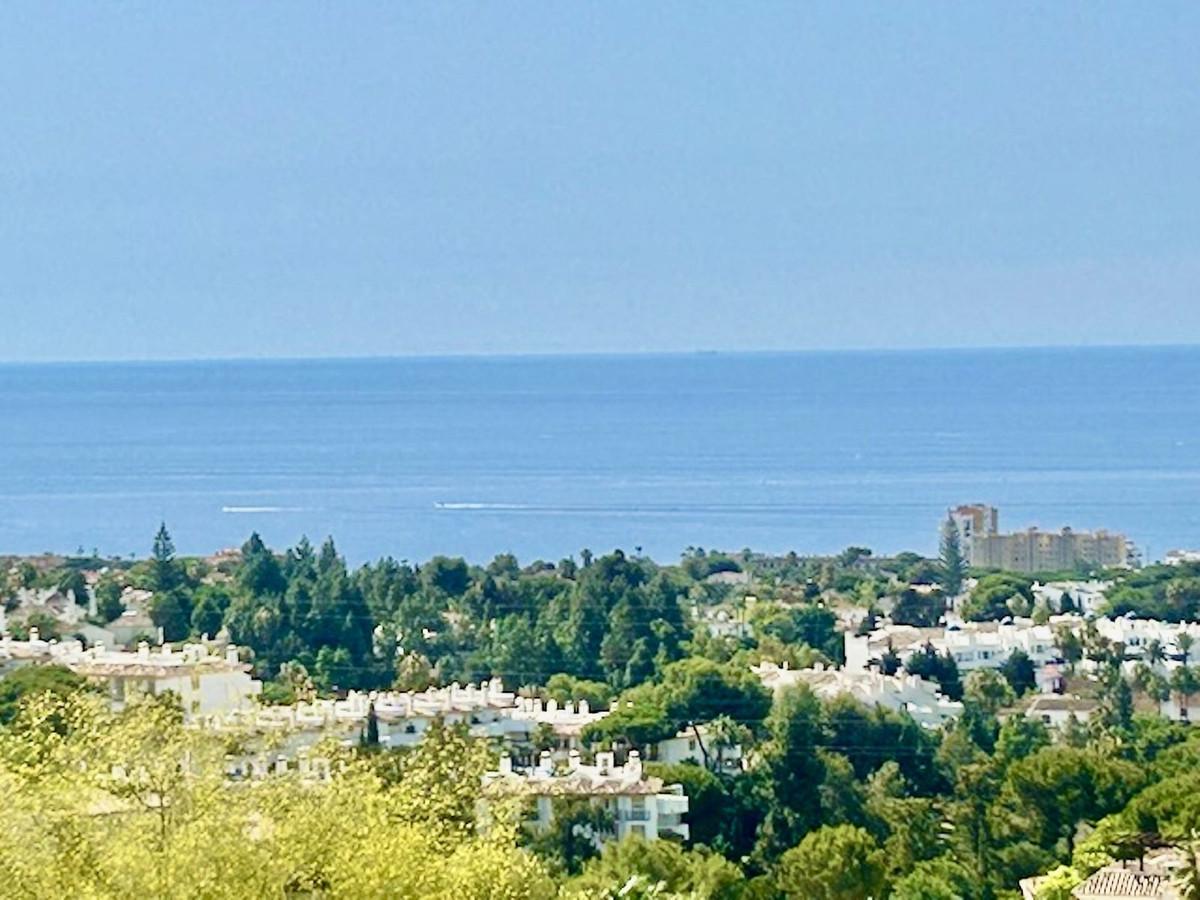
543	456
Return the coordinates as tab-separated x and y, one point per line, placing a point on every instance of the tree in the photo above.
29	681
171	831
109	605
450	576
1055	789
1069	644
698	873
576	832
565	688
938	879
168	613
922	609
1020	736
832	863
953	565
166	575
208	611
1018	670
73	584
991	597
791	770
260	573
370	735
1187	877
928	663
1185	682
1185	642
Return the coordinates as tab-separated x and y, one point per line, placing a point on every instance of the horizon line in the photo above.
598	354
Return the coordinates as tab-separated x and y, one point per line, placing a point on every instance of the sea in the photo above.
544	456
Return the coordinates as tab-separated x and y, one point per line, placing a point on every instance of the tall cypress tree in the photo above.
953	565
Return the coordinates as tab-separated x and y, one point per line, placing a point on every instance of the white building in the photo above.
637	804
1136	636
699	746
1057	711
972	645
722	623
205	684
1087	596
488	710
899	693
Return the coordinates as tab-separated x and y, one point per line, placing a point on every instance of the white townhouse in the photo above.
206	684
1056	711
899	693
487	710
972	645
698	745
635	802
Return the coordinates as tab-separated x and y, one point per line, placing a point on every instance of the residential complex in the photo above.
900	693
206	683
1033	550
636	803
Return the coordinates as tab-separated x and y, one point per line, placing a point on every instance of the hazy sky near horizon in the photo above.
309	179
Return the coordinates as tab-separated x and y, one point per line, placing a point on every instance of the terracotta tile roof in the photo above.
1117	884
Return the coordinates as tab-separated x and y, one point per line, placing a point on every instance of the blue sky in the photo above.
312	179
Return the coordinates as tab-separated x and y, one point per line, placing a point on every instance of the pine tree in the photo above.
370	737
953	566
165	573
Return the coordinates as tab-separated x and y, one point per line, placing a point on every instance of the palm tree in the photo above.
1185	682
726	733
1184	642
1154	652
1143	676
1187	876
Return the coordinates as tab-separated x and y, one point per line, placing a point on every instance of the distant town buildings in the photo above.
1181	557
974	520
1033	550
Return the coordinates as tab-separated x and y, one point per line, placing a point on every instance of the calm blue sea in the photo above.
544	456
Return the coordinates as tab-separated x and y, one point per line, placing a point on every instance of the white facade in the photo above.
206	685
1088	596
637	804
488	711
899	693
698	746
1136	635
972	645
721	623
1057	712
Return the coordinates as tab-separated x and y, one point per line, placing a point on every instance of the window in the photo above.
691	743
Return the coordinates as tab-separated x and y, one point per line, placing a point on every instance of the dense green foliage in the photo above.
835	800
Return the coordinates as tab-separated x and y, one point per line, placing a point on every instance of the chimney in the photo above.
573	760
33	635
633	764
545	764
584	708
605	762
505	764
231	655
143	650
